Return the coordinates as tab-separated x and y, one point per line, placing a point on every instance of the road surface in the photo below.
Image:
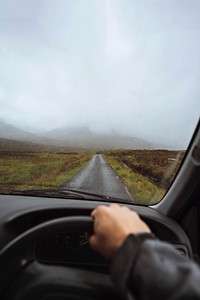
99	178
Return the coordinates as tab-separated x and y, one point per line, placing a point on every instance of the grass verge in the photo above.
20	171
142	190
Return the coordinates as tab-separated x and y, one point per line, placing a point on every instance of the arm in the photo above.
142	265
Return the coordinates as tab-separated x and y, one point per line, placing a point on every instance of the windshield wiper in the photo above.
64	193
51	193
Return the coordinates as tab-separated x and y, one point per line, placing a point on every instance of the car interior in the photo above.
99	104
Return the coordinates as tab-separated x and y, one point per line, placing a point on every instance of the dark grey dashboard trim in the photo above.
18	212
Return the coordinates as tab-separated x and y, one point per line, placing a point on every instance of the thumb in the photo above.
93	241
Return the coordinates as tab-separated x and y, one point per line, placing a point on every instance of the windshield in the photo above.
100	97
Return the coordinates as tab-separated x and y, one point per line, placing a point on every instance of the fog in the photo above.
130	67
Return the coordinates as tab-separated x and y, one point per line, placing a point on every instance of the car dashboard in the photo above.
70	249
21	213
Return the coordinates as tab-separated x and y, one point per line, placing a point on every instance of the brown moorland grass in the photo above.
147	173
38	170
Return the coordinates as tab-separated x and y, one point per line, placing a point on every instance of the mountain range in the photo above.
79	138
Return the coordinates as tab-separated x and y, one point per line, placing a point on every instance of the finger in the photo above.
114	205
98	210
94	212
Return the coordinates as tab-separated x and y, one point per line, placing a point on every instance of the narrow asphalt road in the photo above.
99	178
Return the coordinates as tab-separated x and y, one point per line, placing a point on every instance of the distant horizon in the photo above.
42	134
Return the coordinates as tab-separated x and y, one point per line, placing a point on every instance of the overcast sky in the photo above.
127	66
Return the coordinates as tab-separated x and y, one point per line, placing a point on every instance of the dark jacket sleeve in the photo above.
146	268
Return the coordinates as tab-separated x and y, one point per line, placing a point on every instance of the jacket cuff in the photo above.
126	257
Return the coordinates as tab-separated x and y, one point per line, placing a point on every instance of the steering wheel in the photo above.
22	277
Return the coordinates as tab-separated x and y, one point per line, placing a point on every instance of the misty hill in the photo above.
73	138
10	132
86	139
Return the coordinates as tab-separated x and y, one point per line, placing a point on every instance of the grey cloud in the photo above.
129	66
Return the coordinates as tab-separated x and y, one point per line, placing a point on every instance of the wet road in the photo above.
99	178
